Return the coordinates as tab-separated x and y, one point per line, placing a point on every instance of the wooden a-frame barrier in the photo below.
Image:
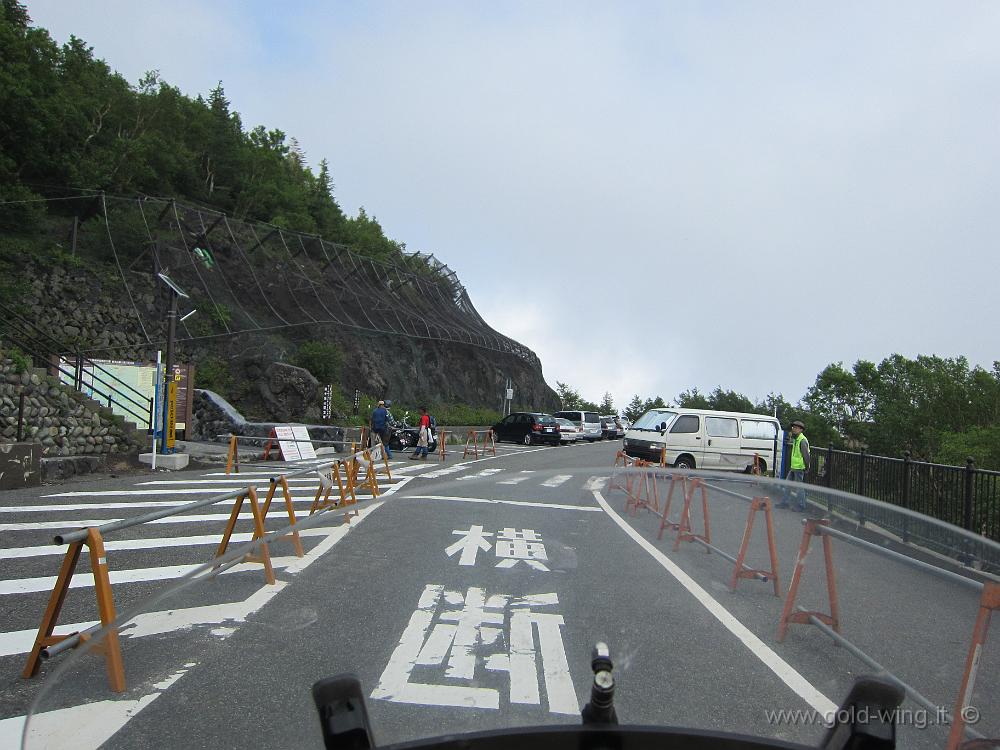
109	646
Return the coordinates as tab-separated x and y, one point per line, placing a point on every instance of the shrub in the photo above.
323	359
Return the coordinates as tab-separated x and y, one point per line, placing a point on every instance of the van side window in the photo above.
721	427
686	423
759	430
592	417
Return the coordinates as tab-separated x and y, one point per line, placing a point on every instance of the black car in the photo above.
528	428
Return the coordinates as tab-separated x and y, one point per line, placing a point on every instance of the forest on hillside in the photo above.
69	123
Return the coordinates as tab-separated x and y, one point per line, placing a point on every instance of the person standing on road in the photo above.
380	426
424	437
797	466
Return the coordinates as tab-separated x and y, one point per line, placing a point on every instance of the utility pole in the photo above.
169	383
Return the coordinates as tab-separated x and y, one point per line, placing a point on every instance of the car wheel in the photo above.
684	462
527	439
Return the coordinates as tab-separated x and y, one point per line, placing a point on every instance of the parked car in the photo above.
705	439
590	421
528	428
608	429
569	432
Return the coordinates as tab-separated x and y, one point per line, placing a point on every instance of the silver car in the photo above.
569	432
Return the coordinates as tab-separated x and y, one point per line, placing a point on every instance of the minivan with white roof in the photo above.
590	421
704	439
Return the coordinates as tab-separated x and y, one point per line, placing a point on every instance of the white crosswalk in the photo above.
142	555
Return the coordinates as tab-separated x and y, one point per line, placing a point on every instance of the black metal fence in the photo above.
963	496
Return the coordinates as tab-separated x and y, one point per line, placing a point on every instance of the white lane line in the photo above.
156	623
785	672
557	480
595	483
490	501
523	476
136	544
480	475
181	518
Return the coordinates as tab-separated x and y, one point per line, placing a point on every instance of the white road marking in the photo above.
490	501
524	475
785	672
595	483
480	475
156	623
82	727
43	550
557	480
180	518
85	579
186	482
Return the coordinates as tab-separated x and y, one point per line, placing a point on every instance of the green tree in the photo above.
569	398
634	410
692	399
607	405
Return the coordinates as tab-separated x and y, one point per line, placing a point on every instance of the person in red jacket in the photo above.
425	435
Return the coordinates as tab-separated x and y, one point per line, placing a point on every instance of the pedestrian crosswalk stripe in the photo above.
154	543
479	475
557	480
86	580
83	523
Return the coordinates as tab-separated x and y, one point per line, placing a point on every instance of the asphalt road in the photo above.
466	597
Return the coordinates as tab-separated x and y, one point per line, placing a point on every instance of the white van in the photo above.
704	439
590	421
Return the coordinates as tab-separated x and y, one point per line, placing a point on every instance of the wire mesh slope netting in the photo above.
244	277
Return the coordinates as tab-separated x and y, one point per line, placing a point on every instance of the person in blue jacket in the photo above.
380	426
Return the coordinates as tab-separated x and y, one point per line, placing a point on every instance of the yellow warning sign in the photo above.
171	412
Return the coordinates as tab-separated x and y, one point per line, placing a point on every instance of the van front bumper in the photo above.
641	449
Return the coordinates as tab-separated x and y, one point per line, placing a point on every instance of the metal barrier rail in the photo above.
125	523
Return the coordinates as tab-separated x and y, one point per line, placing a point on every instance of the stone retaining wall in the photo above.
65	421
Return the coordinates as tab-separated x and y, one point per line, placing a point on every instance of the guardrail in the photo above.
356	471
964	496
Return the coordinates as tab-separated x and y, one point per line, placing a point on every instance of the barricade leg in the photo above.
665	521
470	438
290	509
233	459
493	443
988	603
788	615
264	558
764	504
110	646
442	441
685	530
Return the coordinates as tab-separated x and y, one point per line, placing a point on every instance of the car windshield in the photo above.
652	420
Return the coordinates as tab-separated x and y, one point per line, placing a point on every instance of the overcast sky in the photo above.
652	196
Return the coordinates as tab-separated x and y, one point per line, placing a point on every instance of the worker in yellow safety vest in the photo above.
797	466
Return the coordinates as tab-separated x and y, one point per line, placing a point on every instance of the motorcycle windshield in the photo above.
468	595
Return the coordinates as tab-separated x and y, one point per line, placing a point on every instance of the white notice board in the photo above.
305	446
286	438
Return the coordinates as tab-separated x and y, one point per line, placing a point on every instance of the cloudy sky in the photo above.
652	196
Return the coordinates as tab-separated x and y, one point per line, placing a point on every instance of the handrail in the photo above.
142	416
62	347
106	396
